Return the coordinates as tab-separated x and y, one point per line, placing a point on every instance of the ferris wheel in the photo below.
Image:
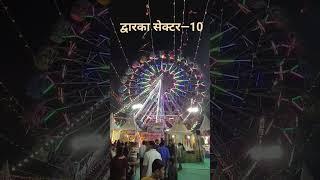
162	88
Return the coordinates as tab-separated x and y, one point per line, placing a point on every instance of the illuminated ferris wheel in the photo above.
161	89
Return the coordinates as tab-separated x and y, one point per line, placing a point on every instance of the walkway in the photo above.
191	171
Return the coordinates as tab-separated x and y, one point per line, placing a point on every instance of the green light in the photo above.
49	116
48	89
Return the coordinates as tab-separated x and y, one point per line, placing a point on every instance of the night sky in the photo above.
160	10
36	18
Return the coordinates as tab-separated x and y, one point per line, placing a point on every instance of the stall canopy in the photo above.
127	132
127	126
113	125
179	128
130	125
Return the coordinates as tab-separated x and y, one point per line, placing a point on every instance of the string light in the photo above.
115	32
115	70
28	46
151	31
57	7
182	33
17	29
11	98
174	33
200	33
62	132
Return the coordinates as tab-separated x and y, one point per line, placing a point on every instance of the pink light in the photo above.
297	74
279	100
85	28
299	107
172	56
71	48
163	56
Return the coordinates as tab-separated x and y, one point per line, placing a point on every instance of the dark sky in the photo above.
160	10
34	20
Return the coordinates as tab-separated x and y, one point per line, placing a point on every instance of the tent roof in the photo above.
179	128
113	125
130	125
205	125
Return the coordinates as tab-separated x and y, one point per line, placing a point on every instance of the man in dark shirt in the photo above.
165	155
164	152
119	166
172	170
157	143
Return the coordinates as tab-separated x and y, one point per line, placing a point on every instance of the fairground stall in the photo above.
128	132
180	134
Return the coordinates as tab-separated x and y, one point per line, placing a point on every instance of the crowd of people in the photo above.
157	161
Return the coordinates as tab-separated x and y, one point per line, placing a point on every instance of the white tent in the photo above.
130	125
179	128
205	125
113	125
180	134
118	132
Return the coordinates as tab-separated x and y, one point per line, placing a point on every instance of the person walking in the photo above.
142	151
151	155
165	155
133	160
157	143
172	149
157	171
126	149
172	170
179	155
119	166
113	150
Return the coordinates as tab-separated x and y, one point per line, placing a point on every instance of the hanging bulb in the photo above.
172	55
163	55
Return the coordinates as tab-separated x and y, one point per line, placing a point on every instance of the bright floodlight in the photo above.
137	106
266	152
193	109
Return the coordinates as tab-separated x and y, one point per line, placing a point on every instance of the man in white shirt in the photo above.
151	155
